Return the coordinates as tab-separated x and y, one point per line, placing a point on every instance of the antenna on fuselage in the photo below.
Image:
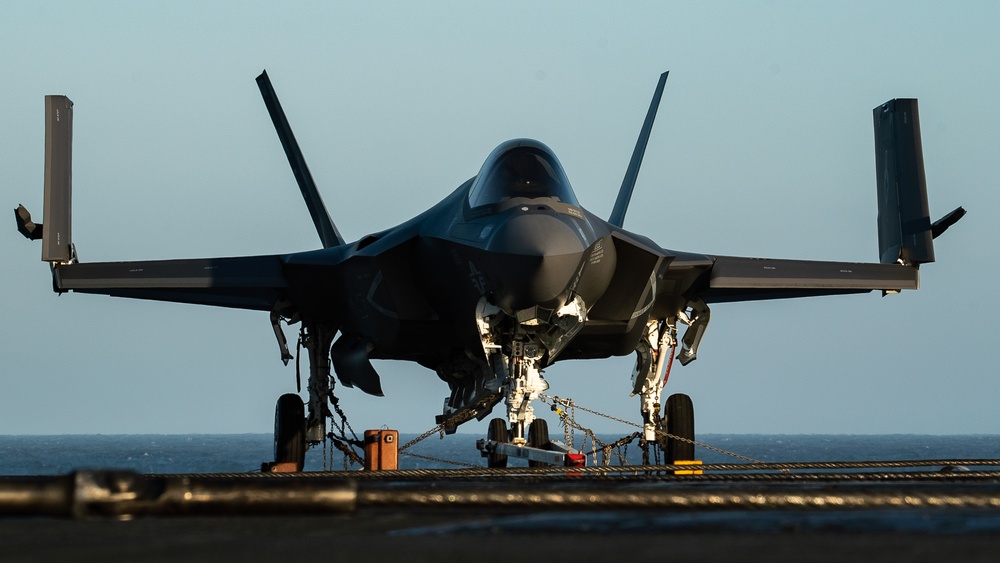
628	183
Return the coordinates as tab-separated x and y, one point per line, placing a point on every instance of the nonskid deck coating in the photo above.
525	514
758	487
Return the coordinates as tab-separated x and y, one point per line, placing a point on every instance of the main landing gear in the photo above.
677	430
673	433
678	445
295	428
289	434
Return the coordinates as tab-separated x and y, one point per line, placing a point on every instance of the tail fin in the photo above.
57	245
904	226
328	233
632	172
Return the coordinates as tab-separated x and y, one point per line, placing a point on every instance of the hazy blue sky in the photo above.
762	147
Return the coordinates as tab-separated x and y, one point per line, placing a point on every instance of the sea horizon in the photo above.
213	453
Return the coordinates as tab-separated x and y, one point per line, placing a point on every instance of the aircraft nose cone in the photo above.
534	234
539	256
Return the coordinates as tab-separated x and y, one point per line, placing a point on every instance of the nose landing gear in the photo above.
497	433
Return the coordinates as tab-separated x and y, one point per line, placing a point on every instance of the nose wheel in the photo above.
537	449
497	432
538	437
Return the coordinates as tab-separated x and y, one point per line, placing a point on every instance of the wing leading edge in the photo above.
252	282
749	279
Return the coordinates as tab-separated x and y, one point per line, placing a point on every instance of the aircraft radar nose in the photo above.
536	234
537	257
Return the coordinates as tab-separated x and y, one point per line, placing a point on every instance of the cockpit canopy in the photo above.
521	168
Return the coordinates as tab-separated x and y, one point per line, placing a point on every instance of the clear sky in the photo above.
763	147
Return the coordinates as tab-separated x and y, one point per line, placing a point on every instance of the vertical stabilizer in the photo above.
904	226
58	210
628	183
328	232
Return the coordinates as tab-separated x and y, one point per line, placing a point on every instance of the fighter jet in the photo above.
507	275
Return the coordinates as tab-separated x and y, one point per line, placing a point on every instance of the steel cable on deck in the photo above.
461	416
659	432
711	472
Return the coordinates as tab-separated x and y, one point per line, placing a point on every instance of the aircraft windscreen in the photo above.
521	169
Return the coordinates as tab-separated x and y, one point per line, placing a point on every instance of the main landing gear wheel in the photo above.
497	432
680	422
538	437
290	431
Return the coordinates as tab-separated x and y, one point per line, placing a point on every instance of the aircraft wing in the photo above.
749	279
252	282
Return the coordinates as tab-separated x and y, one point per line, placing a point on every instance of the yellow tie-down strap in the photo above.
687	471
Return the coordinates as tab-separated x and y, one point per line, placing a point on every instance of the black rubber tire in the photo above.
497	432
290	430
538	437
680	422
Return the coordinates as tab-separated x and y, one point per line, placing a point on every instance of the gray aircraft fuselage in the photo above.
411	292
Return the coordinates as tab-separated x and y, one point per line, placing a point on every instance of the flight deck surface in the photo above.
920	513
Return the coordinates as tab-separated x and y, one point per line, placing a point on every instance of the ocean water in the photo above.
218	453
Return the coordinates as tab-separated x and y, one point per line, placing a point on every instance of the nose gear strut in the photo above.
516	348
524	384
